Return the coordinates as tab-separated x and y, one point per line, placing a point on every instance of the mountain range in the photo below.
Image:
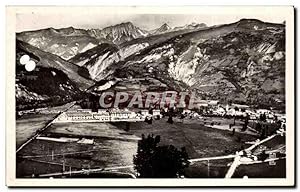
241	62
68	42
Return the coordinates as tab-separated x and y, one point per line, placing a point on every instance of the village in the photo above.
78	137
210	108
82	135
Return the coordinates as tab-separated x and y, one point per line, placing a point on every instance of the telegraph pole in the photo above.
64	163
208	168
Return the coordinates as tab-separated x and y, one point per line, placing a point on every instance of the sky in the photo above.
33	21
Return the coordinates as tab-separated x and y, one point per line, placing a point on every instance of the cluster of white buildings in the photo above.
112	115
146	113
240	110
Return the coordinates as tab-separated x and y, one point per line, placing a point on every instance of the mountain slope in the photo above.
103	60
68	42
42	87
90	55
240	62
65	42
98	59
76	74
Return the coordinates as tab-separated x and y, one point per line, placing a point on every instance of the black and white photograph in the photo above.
196	96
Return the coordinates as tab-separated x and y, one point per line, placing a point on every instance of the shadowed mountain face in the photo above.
76	74
44	87
47	85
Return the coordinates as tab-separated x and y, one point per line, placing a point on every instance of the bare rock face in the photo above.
241	62
118	34
98	59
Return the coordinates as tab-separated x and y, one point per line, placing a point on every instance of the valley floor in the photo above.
112	148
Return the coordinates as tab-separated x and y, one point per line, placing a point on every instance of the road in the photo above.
237	162
38	133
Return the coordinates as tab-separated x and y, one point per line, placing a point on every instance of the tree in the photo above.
153	161
148	120
246	123
263	156
263	117
170	120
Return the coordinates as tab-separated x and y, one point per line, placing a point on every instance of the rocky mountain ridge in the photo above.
70	41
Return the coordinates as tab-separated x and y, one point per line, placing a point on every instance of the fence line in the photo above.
88	171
